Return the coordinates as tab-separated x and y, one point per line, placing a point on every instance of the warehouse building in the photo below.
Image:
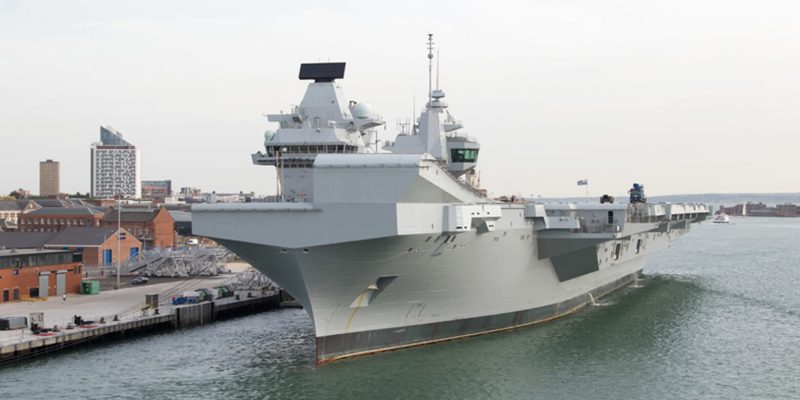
31	273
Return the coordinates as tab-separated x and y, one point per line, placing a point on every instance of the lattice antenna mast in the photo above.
430	68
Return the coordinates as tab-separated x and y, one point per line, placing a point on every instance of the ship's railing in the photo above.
650	213
644	218
277	199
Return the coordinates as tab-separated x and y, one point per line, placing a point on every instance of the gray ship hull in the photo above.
381	294
335	347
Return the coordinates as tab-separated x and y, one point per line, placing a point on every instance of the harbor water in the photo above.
716	316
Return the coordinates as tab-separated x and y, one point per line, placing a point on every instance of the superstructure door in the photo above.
61	283
44	281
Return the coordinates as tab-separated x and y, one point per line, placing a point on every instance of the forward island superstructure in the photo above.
398	248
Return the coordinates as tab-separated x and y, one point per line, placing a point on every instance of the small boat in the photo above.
721	218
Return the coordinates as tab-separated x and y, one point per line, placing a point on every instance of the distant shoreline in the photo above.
727	199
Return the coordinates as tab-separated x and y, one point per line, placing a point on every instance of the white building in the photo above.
115	166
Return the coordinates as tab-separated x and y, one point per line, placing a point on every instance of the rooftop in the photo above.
24	252
61	203
66	211
70	237
133	214
112	137
25	240
9	205
181	216
82	236
12	205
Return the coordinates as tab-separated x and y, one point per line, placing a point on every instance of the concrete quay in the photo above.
132	317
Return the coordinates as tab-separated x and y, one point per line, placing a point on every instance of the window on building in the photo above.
464	155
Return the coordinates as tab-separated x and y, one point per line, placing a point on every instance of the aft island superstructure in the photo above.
400	248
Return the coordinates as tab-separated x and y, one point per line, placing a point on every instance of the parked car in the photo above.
140	281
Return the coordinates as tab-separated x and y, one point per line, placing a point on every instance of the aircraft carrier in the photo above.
396	246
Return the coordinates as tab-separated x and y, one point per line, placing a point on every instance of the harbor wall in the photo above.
194	315
180	317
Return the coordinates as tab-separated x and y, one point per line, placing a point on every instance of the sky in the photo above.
683	96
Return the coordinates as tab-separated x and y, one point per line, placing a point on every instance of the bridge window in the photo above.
464	155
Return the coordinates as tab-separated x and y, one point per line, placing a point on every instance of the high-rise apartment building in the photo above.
115	166
49	179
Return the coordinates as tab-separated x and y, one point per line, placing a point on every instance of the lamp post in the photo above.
119	245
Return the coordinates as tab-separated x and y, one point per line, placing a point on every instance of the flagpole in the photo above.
585	182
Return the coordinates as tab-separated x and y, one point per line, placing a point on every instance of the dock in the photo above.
135	319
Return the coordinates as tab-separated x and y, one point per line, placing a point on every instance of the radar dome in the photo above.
362	111
268	135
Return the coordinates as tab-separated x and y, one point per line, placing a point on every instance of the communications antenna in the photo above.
430	68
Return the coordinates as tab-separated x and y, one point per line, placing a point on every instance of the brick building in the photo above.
56	219
98	245
93	245
10	210
26	273
787	210
154	227
156	190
